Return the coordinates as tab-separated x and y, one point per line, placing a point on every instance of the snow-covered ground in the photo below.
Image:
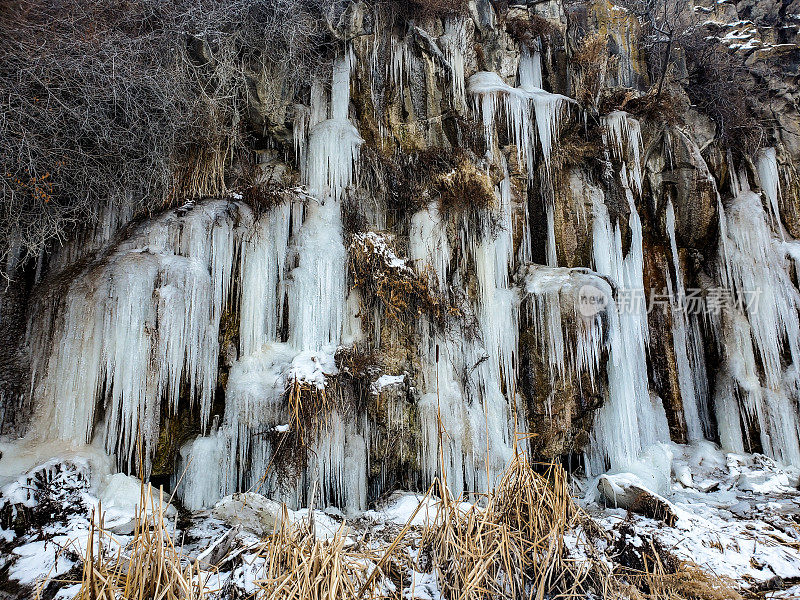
737	515
734	515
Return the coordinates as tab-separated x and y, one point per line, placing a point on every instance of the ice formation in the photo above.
157	299
531	113
760	330
570	330
767	164
454	42
630	420
688	344
144	321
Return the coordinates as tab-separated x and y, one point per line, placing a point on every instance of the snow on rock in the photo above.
121	500
728	530
250	511
260	516
385	381
400	506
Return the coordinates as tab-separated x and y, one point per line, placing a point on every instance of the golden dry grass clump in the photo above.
300	566
593	61
149	566
512	548
465	188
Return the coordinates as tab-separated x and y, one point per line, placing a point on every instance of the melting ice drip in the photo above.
630	420
754	262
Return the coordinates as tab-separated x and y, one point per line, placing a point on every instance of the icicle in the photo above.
530	69
759	329
688	348
302	116
201	465
316	286
489	91
262	279
759	279
767	164
623	137
568	324
453	44
630	420
429	246
157	299
401	64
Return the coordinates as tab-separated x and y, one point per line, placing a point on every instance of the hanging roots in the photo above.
149	566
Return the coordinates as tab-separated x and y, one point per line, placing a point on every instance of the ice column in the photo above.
630	420
687	343
134	328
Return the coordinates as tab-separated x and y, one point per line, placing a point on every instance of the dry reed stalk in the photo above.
149	566
514	547
687	582
299	566
306	403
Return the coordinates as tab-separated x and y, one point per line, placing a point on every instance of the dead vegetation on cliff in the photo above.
384	278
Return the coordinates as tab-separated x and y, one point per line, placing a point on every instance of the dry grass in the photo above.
512	548
685	581
149	566
593	61
527	31
307	404
664	107
465	188
300	566
382	277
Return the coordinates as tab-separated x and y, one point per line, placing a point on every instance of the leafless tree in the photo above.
108	102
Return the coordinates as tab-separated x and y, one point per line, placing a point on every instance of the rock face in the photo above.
507	159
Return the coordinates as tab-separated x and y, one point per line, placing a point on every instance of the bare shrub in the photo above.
431	8
721	86
593	61
527	31
113	103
